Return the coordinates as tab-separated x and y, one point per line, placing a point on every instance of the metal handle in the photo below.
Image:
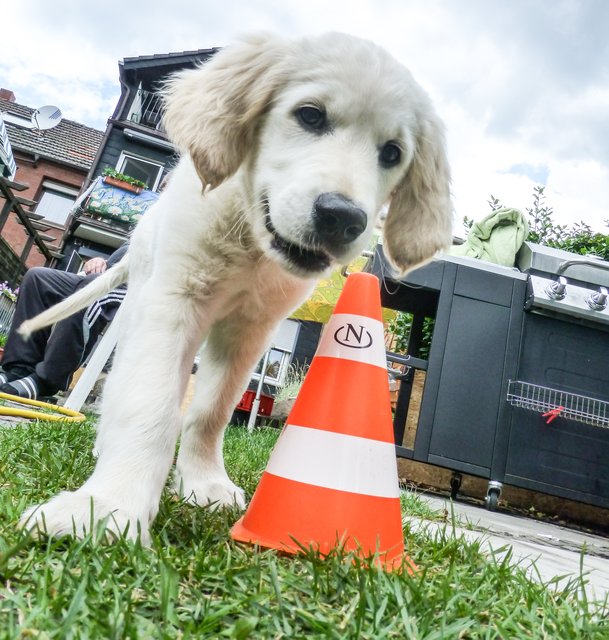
590	262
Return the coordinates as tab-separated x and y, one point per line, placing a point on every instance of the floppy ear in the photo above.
210	111
419	222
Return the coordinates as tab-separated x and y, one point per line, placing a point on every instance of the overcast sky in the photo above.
522	85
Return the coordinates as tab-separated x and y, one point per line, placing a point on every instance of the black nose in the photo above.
337	220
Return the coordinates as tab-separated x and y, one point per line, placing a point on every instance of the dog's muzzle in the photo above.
336	223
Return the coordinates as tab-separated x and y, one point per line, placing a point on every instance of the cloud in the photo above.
522	86
536	173
579	191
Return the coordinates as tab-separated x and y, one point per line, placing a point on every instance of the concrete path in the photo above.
11	421
546	551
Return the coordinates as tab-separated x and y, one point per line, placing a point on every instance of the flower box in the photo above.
126	186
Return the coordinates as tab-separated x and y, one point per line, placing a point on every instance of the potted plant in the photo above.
123	181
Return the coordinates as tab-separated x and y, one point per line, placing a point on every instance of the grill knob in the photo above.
598	301
557	290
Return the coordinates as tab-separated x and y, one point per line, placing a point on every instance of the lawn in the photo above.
196	583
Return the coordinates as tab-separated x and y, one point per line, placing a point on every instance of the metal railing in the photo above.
147	109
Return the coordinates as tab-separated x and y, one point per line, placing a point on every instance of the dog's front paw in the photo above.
215	491
77	513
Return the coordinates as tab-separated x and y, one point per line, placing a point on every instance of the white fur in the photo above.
202	265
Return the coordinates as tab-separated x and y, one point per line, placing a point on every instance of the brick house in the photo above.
53	164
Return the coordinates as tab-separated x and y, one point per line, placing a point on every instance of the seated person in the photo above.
44	364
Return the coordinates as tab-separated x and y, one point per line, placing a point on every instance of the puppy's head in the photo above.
213	112
326	130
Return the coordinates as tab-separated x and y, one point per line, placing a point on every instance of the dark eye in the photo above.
390	154
311	117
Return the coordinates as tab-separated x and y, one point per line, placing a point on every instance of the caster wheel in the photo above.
492	499
455	485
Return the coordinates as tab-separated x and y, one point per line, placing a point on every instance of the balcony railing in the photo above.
147	109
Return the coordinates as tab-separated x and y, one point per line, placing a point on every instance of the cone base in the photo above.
291	516
240	533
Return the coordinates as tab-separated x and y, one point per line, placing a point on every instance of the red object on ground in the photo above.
247	402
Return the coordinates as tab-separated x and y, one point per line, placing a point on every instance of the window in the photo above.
146	170
56	202
280	354
276	367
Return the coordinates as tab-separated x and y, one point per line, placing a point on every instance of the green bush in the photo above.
401	326
577	238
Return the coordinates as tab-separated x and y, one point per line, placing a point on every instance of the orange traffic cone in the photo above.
332	477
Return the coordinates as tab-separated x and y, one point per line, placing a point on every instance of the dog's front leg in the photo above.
138	427
232	351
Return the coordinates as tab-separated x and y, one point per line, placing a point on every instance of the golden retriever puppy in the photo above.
289	150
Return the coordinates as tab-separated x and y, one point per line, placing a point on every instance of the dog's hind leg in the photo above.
232	351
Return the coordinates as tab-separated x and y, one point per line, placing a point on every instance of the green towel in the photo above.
497	238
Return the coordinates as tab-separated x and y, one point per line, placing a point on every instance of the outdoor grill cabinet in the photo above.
564	457
502	356
463	423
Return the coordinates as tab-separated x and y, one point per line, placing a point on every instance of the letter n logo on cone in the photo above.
332	478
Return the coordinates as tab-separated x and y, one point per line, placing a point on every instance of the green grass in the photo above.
196	583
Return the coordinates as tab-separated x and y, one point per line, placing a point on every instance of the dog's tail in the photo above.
104	283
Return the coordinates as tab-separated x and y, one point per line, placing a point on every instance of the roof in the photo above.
169	58
149	69
68	143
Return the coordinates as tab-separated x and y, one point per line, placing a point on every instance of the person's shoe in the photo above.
28	387
6	376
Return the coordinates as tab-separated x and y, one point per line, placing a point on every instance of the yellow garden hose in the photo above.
66	415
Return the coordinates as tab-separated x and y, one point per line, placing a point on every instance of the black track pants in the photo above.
55	353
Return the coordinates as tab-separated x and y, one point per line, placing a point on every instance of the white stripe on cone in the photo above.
336	461
352	337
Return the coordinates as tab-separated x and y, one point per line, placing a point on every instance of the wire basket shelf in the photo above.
553	403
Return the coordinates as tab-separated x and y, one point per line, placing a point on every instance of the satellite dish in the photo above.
46	117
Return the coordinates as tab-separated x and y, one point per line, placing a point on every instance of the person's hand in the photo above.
95	265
